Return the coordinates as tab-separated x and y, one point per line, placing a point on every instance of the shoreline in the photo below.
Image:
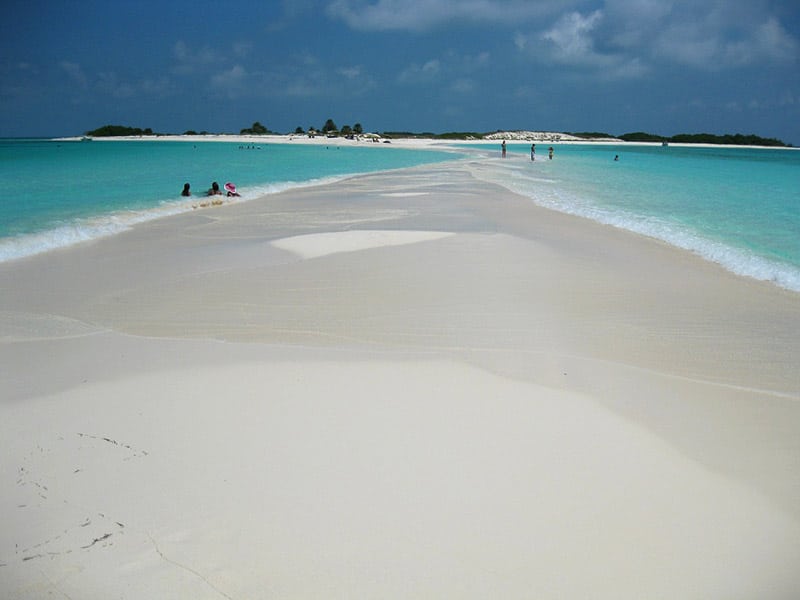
420	143
757	268
404	383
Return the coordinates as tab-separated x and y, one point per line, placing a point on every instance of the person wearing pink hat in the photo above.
231	189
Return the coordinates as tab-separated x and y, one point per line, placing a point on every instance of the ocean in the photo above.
65	192
737	207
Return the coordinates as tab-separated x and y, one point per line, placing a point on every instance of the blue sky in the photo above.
663	66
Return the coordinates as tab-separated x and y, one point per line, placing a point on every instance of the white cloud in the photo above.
631	24
719	35
630	38
349	72
571	41
233	81
419	15
190	60
420	73
571	38
771	41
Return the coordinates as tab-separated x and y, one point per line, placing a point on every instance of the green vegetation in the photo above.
641	136
738	139
256	129
330	127
118	130
704	138
590	135
331	130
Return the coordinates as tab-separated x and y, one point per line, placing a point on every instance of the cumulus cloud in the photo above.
572	41
571	37
419	15
630	38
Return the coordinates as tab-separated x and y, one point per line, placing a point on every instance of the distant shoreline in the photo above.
513	137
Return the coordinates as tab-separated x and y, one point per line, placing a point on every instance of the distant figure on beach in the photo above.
533	151
230	190
214	191
550	153
186	191
503	146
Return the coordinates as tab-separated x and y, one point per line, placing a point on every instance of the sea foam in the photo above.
609	200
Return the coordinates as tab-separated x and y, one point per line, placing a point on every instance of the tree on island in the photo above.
256	129
329	127
358	129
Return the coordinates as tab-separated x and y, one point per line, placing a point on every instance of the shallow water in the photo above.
738	207
66	192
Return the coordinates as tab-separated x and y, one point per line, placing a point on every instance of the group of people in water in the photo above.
533	151
549	152
214	190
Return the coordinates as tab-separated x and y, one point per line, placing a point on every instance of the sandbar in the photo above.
401	385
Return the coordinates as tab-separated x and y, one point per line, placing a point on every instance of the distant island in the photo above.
331	130
704	138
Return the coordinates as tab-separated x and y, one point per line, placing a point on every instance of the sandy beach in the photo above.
412	384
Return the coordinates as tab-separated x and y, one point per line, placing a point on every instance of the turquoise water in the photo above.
735	206
61	193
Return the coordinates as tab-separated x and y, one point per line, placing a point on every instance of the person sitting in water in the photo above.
186	191
231	190
214	191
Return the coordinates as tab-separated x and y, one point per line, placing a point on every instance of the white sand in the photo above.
314	245
444	392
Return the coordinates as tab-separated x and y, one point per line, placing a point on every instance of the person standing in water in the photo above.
533	151
550	153
503	148
186	191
